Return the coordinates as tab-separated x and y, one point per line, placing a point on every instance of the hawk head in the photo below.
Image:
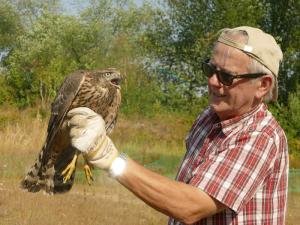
110	75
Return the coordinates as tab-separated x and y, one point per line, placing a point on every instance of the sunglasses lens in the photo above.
207	70
225	78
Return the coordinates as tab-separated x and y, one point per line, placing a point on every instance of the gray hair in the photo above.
256	67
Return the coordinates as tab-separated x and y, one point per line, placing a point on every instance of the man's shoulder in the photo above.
265	126
260	123
266	122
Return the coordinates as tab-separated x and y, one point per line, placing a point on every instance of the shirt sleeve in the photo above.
234	173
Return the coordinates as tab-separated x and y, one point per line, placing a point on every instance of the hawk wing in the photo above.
62	103
36	177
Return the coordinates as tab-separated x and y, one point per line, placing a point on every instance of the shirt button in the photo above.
251	129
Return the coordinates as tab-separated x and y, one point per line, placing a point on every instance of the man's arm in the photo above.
175	199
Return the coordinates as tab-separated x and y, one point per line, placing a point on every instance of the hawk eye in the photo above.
107	74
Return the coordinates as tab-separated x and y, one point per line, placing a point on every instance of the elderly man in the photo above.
235	170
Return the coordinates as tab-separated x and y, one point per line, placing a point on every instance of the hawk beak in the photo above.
116	82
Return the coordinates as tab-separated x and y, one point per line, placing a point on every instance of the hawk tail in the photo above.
39	176
46	176
31	180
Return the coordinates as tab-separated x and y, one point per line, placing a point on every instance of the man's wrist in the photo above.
118	165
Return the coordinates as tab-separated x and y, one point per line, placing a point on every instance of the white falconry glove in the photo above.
88	135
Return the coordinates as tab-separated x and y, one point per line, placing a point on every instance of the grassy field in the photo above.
156	143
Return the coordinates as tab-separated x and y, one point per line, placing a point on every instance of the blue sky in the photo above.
73	6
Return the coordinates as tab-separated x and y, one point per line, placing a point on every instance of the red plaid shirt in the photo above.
241	162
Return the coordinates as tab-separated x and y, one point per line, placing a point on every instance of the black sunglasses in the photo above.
224	77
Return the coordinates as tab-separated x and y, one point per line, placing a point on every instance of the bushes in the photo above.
4	93
289	119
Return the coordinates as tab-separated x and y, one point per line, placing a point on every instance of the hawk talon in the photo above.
88	174
67	173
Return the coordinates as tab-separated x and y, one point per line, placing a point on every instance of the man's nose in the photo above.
214	81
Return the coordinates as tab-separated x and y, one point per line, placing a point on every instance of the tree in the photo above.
184	30
10	29
282	19
10	26
31	10
182	36
53	45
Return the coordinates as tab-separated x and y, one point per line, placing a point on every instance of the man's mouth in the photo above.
218	95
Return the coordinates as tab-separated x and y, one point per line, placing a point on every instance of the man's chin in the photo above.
218	106
221	110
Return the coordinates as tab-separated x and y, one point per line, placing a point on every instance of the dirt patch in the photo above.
110	204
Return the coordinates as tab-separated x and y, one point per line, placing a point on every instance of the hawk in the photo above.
54	169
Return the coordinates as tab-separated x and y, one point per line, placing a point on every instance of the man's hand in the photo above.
88	135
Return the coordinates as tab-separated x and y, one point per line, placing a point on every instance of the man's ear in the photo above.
264	86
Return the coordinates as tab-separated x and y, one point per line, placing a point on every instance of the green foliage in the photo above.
288	117
181	38
4	93
294	131
55	45
10	25
294	111
158	50
140	95
183	34
184	31
42	57
282	19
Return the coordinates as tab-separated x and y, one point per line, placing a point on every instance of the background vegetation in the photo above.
158	48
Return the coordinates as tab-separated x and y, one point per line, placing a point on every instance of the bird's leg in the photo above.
67	173
88	172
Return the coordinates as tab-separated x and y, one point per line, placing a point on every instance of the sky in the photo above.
72	7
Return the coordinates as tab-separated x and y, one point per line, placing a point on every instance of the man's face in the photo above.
240	97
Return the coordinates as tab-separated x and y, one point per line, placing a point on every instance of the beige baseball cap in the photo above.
260	46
